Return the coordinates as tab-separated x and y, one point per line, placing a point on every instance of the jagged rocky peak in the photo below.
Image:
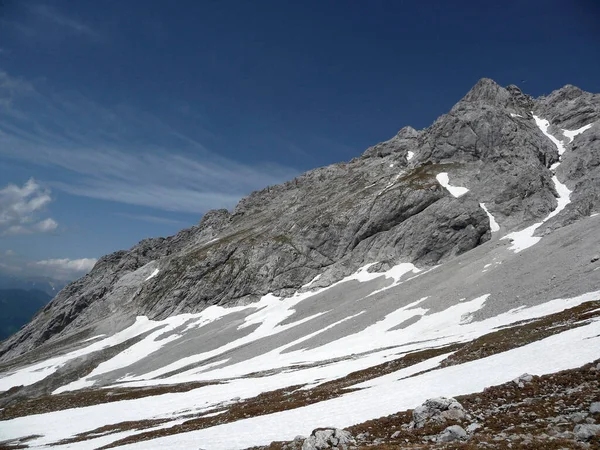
407	132
567	92
402	143
519	99
487	91
569	107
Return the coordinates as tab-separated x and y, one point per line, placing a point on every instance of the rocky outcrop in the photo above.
328	438
385	206
437	411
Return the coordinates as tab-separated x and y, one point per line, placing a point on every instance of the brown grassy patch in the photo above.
423	177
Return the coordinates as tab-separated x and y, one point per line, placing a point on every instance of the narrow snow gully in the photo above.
524	239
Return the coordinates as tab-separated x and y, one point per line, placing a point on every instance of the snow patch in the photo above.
543	125
571	134
493	224
410	155
444	181
152	275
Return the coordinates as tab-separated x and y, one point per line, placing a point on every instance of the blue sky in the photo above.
120	121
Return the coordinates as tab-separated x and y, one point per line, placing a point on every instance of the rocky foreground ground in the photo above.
557	411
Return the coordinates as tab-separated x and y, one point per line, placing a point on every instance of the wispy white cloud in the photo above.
43	22
123	155
10	268
10	252
20	208
63	269
150	218
58	18
11	87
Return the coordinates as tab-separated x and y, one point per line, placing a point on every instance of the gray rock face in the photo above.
595	408
437	410
327	438
381	207
570	108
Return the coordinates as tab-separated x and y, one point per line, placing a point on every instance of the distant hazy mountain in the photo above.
50	286
17	307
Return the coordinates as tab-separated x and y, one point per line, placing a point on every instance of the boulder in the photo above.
522	379
584	432
326	438
452	433
438	410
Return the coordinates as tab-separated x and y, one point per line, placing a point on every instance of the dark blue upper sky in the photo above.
133	118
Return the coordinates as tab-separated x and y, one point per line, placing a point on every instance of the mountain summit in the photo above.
427	241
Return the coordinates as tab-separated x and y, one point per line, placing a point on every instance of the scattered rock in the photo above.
437	410
577	417
595	258
521	380
473	427
586	432
396	434
325	438
452	433
595	408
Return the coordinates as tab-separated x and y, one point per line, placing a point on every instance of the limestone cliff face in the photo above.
385	206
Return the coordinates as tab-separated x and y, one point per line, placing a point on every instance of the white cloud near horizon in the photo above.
121	154
63	269
20	208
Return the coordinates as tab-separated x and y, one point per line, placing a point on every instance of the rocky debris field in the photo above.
556	411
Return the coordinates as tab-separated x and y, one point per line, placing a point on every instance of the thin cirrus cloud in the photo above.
150	218
120	154
63	269
21	207
48	13
38	20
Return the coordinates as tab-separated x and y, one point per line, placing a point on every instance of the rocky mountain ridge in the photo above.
385	206
444	262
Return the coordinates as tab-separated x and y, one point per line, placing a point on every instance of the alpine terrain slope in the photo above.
386	302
